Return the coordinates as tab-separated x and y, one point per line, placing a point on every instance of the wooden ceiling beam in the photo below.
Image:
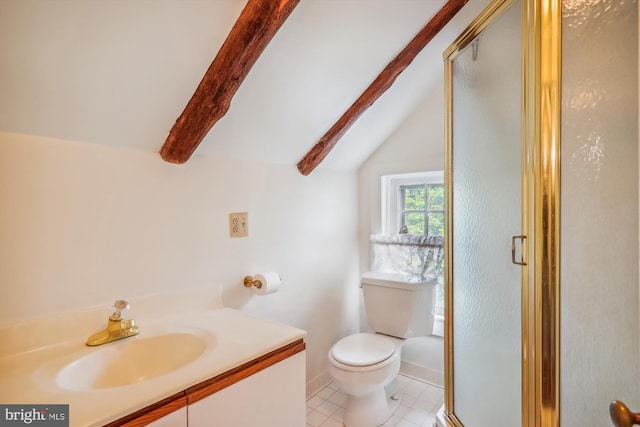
254	29
383	82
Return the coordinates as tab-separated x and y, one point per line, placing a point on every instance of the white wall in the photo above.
416	146
82	225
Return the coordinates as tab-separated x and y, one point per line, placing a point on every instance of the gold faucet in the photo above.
117	328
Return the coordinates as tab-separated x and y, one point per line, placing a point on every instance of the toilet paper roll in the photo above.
270	283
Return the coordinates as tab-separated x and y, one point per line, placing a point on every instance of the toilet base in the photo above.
369	410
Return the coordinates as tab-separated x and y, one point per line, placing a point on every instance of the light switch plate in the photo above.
239	224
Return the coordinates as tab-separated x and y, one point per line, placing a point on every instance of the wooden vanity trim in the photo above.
206	388
224	380
152	412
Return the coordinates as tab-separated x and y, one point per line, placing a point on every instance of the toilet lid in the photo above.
362	349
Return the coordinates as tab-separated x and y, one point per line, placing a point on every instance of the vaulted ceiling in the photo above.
121	72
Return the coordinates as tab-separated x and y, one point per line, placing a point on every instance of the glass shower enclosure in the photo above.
486	207
542	311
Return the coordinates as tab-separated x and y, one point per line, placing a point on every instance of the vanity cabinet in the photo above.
274	397
170	412
175	419
268	391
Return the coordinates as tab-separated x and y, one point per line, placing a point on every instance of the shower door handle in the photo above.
513	249
622	416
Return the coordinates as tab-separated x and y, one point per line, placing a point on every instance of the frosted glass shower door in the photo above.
599	309
486	200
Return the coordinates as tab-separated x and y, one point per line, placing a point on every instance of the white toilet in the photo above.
362	365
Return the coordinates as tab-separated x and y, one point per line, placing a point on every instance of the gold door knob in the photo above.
622	416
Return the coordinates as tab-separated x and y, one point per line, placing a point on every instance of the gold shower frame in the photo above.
541	79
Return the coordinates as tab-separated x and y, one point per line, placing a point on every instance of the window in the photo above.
414	201
422	209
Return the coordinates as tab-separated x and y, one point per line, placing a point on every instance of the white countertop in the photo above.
232	337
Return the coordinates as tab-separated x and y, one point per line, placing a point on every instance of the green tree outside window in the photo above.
423	209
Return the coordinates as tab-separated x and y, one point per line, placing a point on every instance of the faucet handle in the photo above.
119	310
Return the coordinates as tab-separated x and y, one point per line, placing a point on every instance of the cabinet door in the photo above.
174	419
273	397
172	414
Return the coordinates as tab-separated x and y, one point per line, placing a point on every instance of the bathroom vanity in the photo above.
200	366
257	393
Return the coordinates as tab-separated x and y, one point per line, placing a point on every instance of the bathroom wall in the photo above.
416	146
82	225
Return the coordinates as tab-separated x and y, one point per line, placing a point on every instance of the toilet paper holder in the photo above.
249	282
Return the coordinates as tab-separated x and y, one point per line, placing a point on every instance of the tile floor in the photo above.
419	402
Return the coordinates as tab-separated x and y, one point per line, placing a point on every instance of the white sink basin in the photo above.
132	360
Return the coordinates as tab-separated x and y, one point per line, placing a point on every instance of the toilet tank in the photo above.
399	305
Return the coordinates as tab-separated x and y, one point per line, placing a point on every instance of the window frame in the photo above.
391	212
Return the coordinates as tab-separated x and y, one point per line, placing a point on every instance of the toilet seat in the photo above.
363	349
